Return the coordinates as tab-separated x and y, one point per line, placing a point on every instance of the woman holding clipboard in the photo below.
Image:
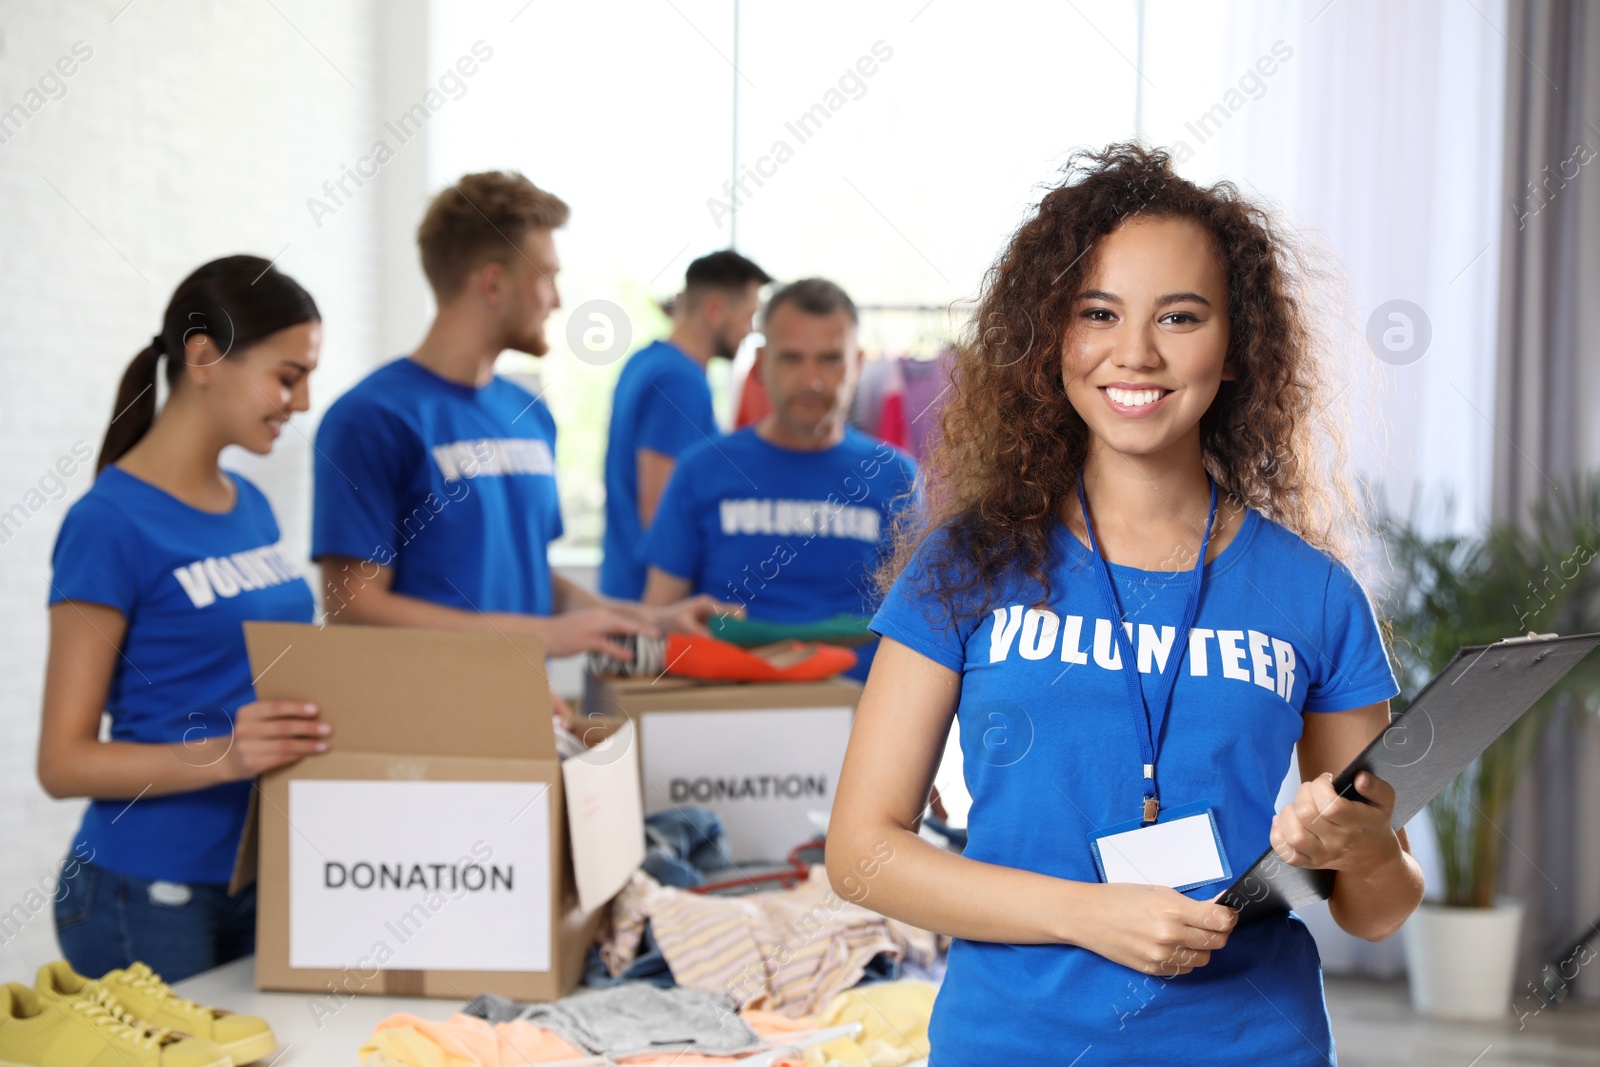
1127	589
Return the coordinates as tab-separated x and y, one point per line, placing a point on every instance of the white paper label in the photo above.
1180	852
762	770
605	815
419	875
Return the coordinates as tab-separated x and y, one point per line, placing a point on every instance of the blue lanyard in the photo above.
1150	733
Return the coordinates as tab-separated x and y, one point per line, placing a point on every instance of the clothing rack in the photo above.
910	329
910	307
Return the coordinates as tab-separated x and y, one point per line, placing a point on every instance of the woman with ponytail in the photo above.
156	569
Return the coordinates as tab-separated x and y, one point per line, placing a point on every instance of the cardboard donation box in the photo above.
439	848
762	755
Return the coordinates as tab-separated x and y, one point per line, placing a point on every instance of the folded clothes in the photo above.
649	658
788	951
633	1020
847	630
708	659
711	660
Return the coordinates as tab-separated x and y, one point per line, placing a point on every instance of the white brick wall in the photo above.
195	129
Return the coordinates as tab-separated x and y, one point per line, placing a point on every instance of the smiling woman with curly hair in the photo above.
1127	588
1012	449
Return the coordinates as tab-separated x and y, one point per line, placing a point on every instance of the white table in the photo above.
305	1038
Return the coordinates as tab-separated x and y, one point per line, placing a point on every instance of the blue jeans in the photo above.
106	920
682	844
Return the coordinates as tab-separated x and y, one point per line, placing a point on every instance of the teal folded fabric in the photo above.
846	630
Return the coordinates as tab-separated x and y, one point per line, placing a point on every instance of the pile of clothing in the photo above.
786	978
883	1025
788	951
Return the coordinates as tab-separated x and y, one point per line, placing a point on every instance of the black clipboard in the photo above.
1458	714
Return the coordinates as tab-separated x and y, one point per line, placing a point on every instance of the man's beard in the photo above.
533	342
810	425
721	349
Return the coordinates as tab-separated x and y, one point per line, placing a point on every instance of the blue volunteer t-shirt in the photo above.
451	486
186	580
662	403
793	536
1051	755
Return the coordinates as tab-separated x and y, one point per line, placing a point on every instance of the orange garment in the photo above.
406	1040
713	660
519	1041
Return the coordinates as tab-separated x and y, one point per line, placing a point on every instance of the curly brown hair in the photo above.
1012	447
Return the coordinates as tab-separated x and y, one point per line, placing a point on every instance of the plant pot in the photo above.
1461	961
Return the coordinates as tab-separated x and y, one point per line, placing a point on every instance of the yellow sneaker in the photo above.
88	1031
243	1038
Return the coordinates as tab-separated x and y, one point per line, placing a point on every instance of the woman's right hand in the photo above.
272	733
1153	929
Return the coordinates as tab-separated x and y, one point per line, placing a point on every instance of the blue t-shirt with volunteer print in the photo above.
185	580
1051	755
662	403
451	486
793	536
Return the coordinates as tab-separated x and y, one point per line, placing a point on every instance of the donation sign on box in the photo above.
419	875
763	770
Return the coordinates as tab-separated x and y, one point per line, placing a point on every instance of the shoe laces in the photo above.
141	977
103	1010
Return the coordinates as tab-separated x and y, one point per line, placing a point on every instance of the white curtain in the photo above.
1378	130
1548	375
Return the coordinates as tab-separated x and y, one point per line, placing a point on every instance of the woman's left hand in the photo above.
1322	830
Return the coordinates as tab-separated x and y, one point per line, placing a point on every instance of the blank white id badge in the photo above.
1182	850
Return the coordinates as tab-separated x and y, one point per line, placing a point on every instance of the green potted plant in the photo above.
1453	590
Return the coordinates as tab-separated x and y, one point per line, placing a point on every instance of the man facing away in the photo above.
662	405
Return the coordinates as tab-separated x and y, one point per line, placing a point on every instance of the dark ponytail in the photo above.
236	301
